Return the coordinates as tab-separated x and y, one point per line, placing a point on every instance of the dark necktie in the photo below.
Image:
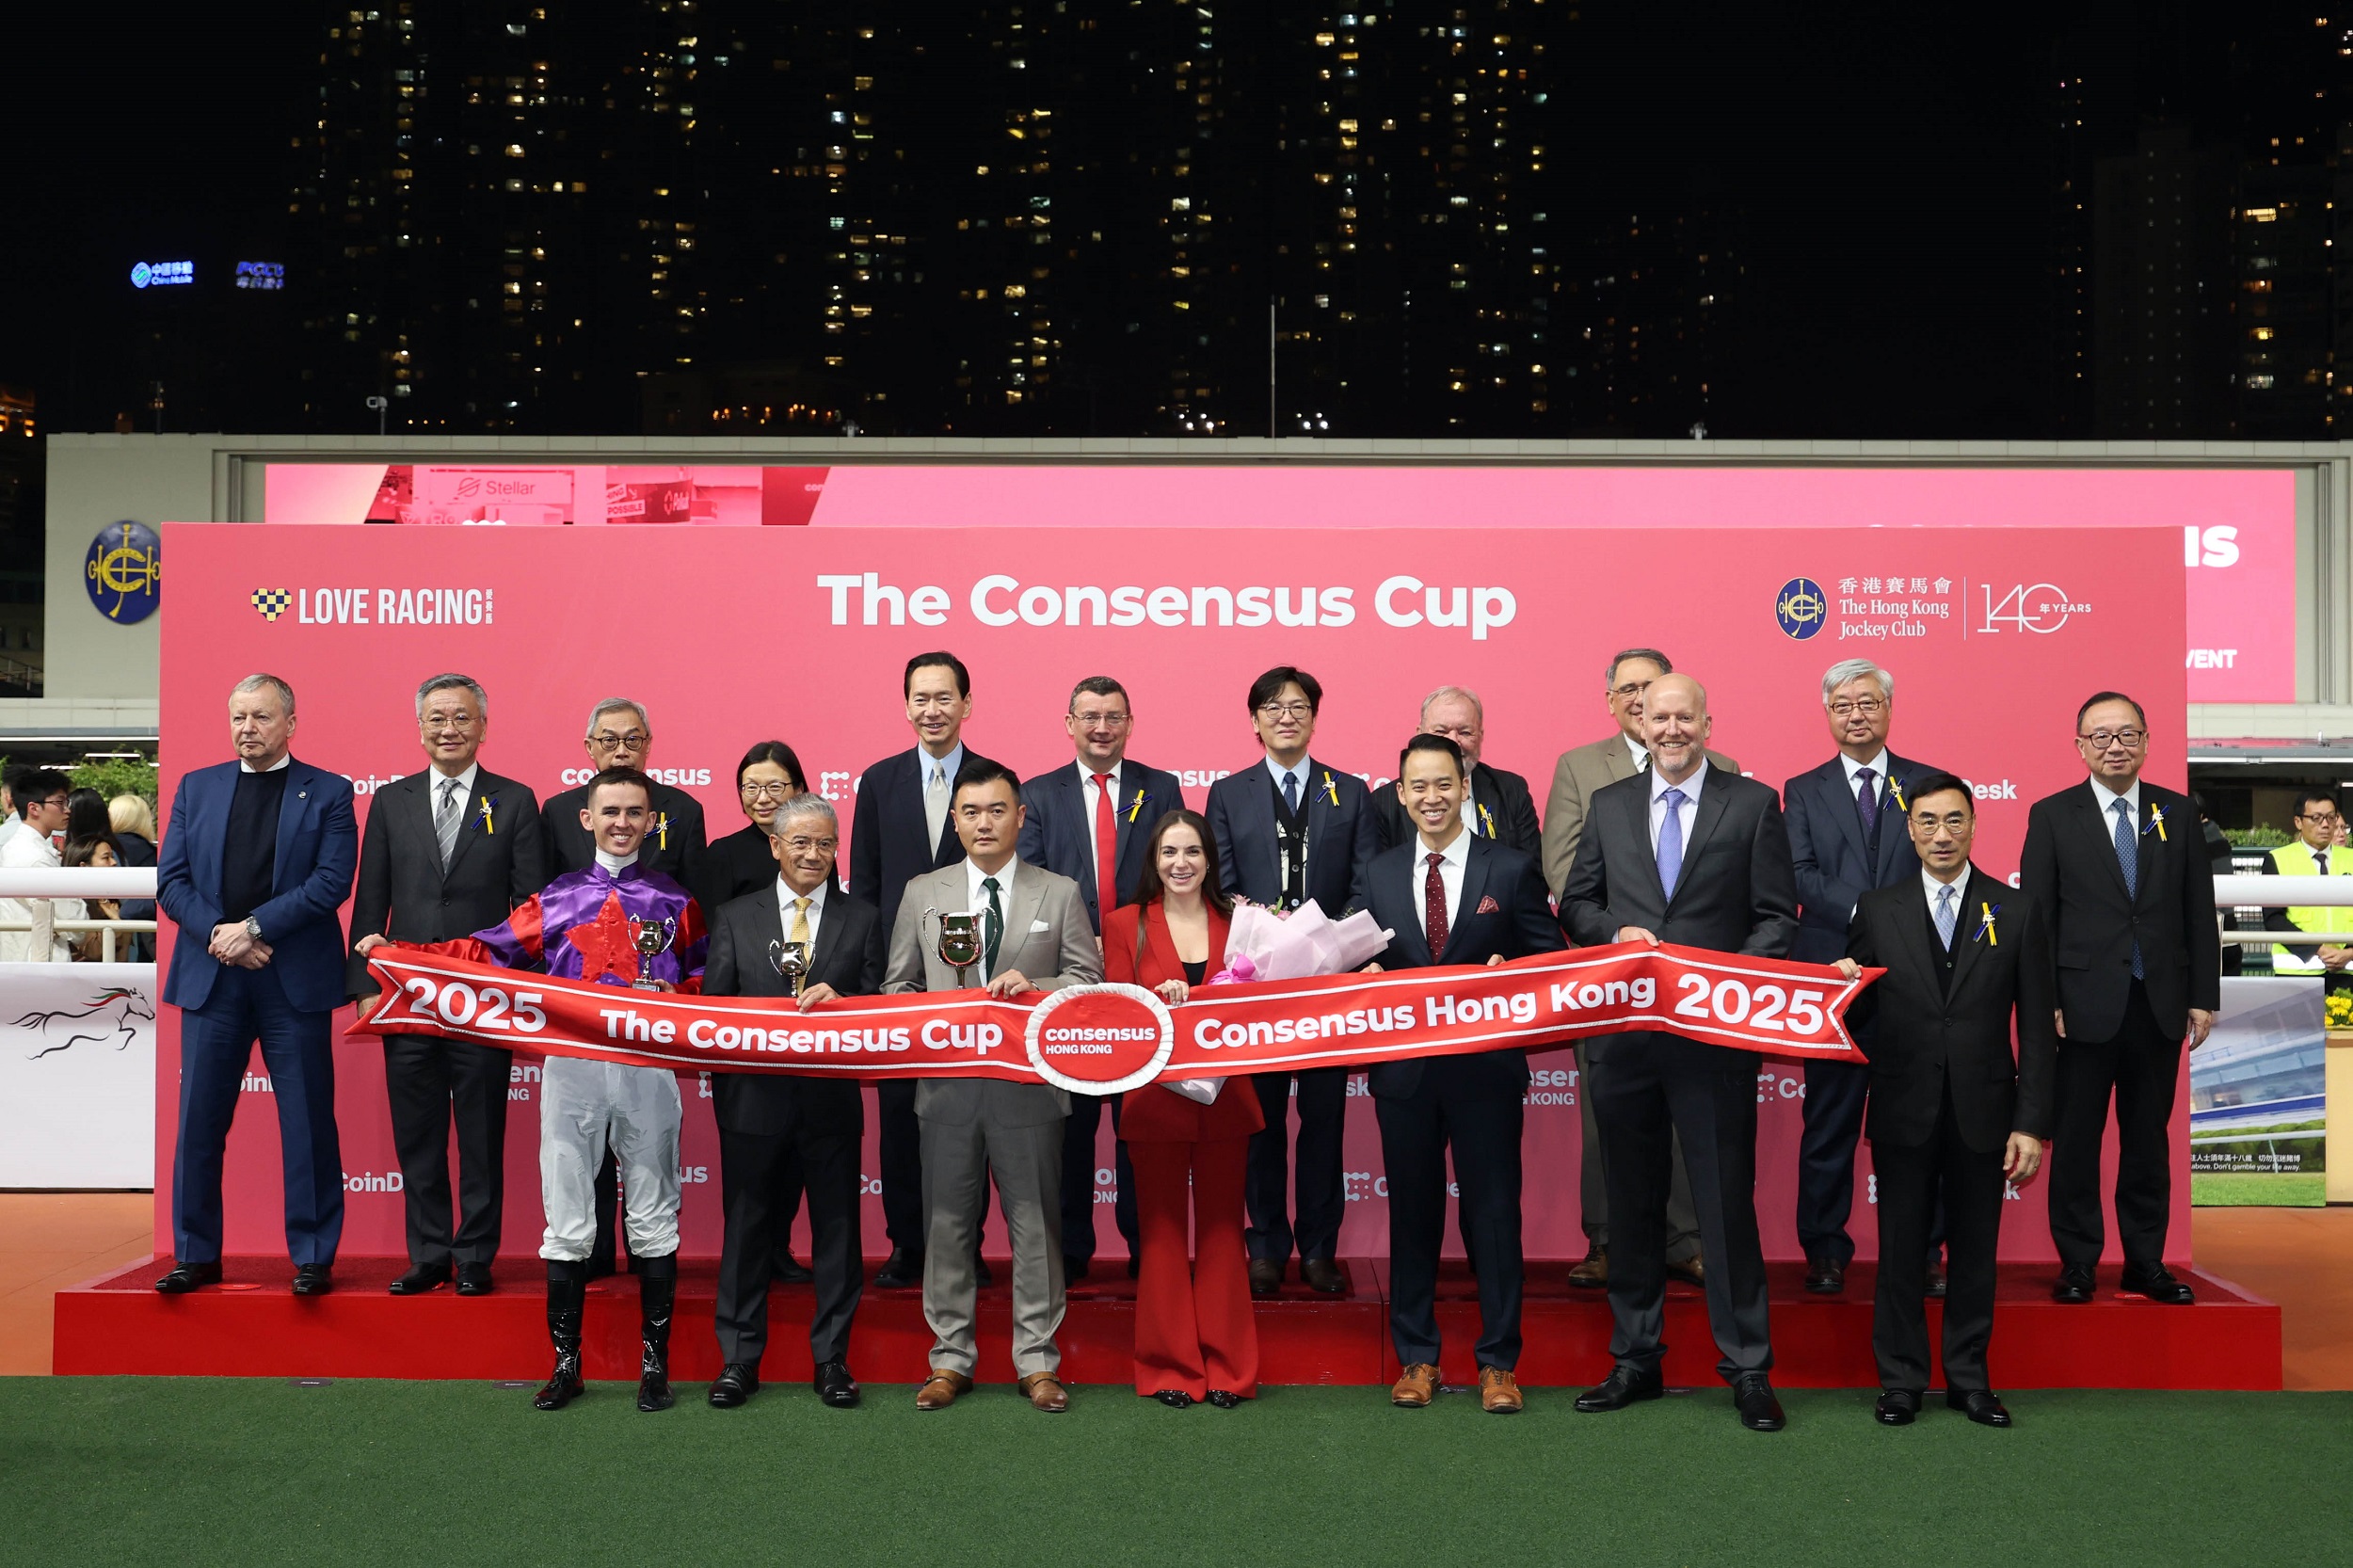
994	927
1290	793
2128	861
1434	906
2320	862
1867	804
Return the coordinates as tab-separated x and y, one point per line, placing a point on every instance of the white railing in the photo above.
38	885
2310	892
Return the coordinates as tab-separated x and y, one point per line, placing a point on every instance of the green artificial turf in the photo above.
2259	1189
132	1470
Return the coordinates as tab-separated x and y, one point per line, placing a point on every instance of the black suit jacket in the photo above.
1735	892
2070	865
1062	803
1927	1030
1827	849
849	958
1342	836
675	849
404	893
738	864
1519	924
887	832
1511	810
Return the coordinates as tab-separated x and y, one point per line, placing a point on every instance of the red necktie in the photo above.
1106	849
1434	902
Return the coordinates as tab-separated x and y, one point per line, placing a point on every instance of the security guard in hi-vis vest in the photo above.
2316	853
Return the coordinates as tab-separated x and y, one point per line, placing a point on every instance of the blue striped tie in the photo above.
2128	859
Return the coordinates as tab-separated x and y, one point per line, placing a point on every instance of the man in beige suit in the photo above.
1575	778
1034	936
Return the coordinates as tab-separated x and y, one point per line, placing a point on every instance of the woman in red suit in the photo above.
1195	1336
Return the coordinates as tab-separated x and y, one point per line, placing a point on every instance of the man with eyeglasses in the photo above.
1499	807
1091	821
1292	830
39	794
901	828
2316	853
1846	836
1575	777
2122	869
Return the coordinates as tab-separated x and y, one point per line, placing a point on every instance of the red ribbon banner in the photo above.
1110	1038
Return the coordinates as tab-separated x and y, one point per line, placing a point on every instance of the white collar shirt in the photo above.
1879	773
1452	861
816	913
2108	799
436	778
1278	772
615	865
1935	889
1688	811
1638	751
285	761
973	876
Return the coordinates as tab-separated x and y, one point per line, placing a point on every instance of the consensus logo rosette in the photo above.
1800	608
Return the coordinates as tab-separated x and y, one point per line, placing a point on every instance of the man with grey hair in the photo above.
1499	807
447	852
1846	836
1575	778
255	866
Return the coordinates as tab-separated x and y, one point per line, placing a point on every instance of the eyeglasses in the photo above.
604	740
53	800
1102	721
1285	710
784	790
2323	819
2102	739
1846	708
802	846
1630	690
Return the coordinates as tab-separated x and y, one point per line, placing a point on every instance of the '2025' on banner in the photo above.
735	636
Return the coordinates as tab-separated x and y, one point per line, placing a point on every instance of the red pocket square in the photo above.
1489	906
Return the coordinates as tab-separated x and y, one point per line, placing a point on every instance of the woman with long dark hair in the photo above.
1195	1338
769	774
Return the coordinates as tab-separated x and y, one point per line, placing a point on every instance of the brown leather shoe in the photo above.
941	1391
1499	1392
1417	1386
1044	1391
1321	1273
1266	1276
1691	1271
1594	1273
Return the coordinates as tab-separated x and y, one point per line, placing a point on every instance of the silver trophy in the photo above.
790	960
960	944
649	938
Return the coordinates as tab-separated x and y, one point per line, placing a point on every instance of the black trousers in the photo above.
1910	1180
760	1176
1322	1195
1458	1105
1645	1087
2139	1066
1836	1096
1078	1178
433	1083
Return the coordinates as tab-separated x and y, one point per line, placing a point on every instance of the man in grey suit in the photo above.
1575	777
1698	857
1034	936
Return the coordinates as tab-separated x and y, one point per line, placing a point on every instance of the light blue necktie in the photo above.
1671	841
2128	857
1947	913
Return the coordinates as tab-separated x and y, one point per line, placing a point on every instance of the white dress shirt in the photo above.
244	766
1690	810
1932	887
1878	774
1640	753
815	915
944	766
973	876
464	788
2108	799
28	849
1453	861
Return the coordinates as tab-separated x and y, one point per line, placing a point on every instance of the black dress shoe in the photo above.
1759	1409
1981	1405
835	1385
1266	1277
1073	1269
1225	1399
2075	1284
901	1271
473	1279
1936	1284
790	1271
737	1381
1825	1276
313	1279
1622	1388
1896	1407
2157	1283
188	1276
1175	1399
420	1278
1321	1273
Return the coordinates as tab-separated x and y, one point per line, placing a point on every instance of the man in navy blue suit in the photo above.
901	830
1091	821
256	861
1291	830
1453	897
1847	835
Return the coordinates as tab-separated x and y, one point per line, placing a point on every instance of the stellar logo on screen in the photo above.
1802	608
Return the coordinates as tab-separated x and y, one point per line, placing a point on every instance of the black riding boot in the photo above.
657	1290
567	1291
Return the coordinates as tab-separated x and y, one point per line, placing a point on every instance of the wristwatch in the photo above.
253	928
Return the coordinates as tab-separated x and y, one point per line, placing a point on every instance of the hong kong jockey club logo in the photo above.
1802	608
123	572
272	602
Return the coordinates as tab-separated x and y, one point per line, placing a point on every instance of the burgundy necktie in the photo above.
1106	849
1434	903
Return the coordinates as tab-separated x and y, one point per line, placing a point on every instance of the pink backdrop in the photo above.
729	637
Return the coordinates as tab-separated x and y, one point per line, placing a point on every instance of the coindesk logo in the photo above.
272	602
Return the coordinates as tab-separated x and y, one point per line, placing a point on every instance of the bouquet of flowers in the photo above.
1263	944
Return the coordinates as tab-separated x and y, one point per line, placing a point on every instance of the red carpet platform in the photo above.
254	1326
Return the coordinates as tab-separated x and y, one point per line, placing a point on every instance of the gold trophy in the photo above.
790	960
649	938
960	944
